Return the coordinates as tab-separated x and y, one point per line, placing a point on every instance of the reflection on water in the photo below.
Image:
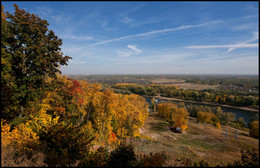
246	115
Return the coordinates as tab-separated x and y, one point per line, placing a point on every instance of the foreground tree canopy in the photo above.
29	52
45	111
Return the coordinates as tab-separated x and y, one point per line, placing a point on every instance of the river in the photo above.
246	115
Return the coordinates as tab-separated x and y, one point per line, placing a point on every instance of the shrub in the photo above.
98	159
124	155
241	122
153	160
254	129
249	158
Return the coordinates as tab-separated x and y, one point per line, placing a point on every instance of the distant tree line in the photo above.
208	95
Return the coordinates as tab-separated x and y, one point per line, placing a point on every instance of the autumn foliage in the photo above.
254	129
45	112
177	116
207	117
72	117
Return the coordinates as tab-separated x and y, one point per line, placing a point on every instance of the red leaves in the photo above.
113	135
75	88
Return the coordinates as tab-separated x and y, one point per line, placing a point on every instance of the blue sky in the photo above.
189	37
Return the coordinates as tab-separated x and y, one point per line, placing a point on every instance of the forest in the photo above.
208	95
49	119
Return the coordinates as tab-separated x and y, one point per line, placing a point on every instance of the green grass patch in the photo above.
161	126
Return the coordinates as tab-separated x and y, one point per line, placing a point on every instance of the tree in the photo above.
6	78
254	129
177	116
153	104
241	122
31	52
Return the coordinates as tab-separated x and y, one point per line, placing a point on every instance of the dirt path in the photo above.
197	143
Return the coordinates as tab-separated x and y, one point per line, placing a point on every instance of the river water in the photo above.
246	115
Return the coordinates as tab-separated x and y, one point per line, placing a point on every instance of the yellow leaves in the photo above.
47	79
21	136
42	121
208	117
177	116
125	84
254	129
205	117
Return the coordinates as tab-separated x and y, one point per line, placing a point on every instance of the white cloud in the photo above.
133	47
76	62
154	32
126	53
225	46
123	53
247	26
73	37
255	37
249	17
231	47
61	18
126	20
43	11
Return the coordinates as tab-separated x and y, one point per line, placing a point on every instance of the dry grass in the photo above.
9	159
196	144
196	86
182	84
165	80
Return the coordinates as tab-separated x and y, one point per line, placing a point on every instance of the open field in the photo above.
197	143
196	86
165	80
182	84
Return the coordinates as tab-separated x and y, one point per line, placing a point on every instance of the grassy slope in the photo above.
206	143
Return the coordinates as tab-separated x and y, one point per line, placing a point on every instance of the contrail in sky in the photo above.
154	32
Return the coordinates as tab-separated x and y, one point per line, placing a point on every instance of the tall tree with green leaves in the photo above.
31	51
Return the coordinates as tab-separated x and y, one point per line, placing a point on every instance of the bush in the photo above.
201	163
241	122
124	155
249	158
153	160
254	129
98	159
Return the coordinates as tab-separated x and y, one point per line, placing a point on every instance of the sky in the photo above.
186	37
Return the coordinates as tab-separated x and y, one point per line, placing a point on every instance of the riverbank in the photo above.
208	103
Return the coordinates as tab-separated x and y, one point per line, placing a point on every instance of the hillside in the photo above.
196	144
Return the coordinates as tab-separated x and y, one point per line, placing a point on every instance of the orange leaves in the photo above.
60	109
80	101
218	125
113	141
112	137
